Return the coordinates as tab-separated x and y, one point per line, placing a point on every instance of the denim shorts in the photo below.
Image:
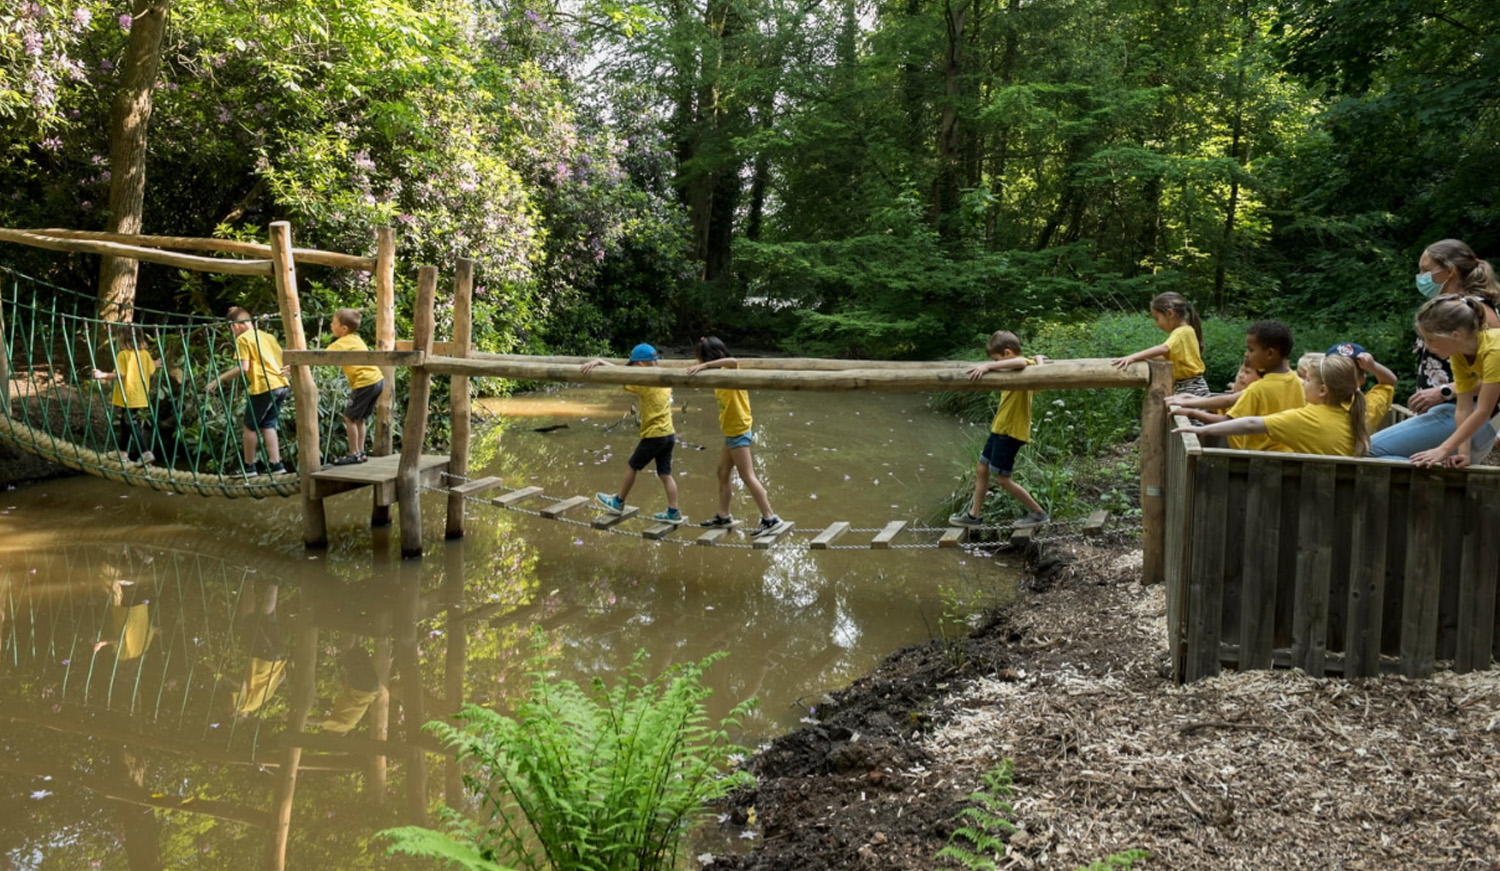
658	448
1000	453
263	410
743	440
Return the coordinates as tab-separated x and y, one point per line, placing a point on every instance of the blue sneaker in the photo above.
671	515
612	504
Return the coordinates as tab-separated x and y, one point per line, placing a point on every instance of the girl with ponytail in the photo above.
1332	422
1456	328
1184	345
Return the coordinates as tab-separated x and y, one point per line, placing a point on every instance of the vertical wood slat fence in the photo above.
1328	564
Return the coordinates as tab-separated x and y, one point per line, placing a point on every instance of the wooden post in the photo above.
458	393
4	367
456	661
408	665
380	717
385	340
1154	432
309	443
414	432
304	694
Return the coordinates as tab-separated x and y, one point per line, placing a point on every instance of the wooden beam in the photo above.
458	393
1155	430
1096	523
226	246
829	535
478	485
557	509
1063	374
516	497
761	363
304	388
954	536
136	252
882	540
414	432
311	357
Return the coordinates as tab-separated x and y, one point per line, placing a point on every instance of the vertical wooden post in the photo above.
458	392
385	340
456	662
414	431
309	442
413	697
4	366
304	694
380	716
1154	433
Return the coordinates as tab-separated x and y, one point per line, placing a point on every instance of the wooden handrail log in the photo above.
801	364
133	252
226	246
352	358
1061	375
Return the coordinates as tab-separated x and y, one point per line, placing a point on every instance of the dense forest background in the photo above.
851	178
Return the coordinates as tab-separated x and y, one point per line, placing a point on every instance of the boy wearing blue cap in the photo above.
658	437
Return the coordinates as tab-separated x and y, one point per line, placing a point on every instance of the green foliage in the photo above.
604	778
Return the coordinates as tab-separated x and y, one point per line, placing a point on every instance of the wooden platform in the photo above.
378	472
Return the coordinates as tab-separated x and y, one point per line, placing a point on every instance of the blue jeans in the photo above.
1427	431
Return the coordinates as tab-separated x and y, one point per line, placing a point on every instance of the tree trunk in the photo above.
127	152
1001	159
950	146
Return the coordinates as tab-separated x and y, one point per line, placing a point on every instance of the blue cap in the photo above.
1346	349
643	353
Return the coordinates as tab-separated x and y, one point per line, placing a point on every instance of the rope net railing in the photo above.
129	402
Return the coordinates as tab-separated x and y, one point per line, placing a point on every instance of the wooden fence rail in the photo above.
1328	564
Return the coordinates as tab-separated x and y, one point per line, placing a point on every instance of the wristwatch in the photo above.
1446	391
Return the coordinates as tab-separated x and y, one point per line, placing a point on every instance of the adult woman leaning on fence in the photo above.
1446	267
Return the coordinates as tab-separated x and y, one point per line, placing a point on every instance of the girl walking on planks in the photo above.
736	423
1184	345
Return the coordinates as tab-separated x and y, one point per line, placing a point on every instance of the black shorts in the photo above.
362	401
658	448
1000	453
264	409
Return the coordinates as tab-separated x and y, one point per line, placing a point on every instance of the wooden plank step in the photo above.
829	535
882	539
478	485
515	497
712	536
761	542
660	530
954	536
606	520
1096	523
1023	535
556	509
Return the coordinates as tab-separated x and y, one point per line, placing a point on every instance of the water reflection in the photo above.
181	686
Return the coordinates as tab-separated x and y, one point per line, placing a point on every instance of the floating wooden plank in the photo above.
515	497
712	536
882	539
1259	562
478	485
606	520
1315	522
761	542
659	530
954	536
557	509
1023	535
1096	523
829	535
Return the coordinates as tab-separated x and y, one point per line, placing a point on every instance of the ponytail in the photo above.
1451	316
1341	376
1177	304
710	348
1475	277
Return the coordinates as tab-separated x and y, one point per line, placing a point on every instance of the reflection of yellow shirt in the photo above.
359	376
263	352
1313	429
1486	366
1183	351
131	628
1377	403
134	370
1013	417
348	710
261	680
1276	391
656	410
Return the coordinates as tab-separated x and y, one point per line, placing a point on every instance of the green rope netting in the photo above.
66	396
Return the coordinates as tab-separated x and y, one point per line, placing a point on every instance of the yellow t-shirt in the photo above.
656	410
264	354
261	680
1313	429
134	370
1485	369
1276	391
348	710
131	627
1377	403
1182	350
359	376
1013	417
734	412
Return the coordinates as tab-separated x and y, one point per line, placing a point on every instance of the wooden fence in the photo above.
1328	564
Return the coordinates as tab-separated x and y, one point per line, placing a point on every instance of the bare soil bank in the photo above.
1260	770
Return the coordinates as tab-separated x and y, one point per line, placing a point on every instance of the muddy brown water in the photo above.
157	651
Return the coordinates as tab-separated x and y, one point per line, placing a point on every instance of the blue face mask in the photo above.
1427	286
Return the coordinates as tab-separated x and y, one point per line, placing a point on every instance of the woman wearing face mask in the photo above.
1446	267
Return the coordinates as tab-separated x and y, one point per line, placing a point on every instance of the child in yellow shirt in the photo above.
134	370
259	356
1455	328
1009	432
365	385
1268	345
1176	317
1331	422
658	437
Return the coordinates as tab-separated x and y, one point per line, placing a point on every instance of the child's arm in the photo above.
1200	415
228	374
1152	353
979	369
101	375
1383	375
595	364
1236	426
1208	403
1473	411
721	363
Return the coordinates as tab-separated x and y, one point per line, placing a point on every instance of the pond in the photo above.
158	652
